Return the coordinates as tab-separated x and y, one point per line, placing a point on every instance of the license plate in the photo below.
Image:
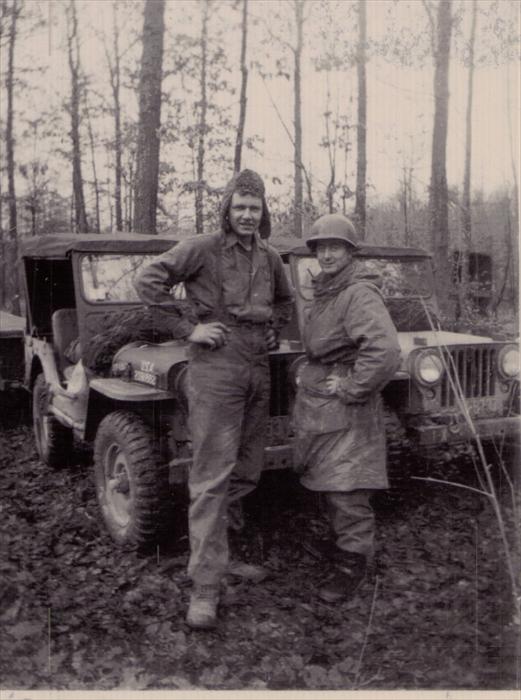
489	406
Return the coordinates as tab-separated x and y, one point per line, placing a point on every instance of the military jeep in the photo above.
100	372
11	351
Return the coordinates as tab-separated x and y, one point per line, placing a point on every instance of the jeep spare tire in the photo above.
131	482
54	442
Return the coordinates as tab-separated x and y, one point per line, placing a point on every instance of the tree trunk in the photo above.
80	213
297	117
93	163
11	268
199	191
244	86
405	206
115	82
147	173
466	214
438	193
361	131
9	136
131	203
331	150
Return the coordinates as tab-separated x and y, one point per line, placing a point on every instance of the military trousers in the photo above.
229	391
351	517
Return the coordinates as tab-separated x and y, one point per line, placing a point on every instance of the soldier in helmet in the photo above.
238	299
352	352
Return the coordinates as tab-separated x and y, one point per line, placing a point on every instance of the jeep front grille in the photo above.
476	370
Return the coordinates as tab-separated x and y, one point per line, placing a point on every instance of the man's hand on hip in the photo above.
213	334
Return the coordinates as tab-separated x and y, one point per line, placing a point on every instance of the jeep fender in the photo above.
39	357
111	394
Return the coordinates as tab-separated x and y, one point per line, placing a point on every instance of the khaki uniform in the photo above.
229	387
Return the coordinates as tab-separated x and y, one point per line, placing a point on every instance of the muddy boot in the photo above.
202	611
348	574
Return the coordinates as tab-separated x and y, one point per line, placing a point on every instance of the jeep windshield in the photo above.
396	278
109	277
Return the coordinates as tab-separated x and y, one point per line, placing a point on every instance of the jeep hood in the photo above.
414	340
149	363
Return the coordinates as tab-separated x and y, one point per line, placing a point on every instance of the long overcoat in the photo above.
340	439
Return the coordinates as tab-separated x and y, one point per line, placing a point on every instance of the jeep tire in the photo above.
131	480
54	442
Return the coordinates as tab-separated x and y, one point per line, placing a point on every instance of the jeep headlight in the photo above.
428	368
508	361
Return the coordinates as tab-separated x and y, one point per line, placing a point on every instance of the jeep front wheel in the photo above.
131	482
54	441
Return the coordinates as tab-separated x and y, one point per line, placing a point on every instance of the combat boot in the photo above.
348	574
202	611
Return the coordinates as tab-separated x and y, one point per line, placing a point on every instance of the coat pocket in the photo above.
320	414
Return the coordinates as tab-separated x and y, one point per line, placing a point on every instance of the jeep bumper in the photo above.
486	428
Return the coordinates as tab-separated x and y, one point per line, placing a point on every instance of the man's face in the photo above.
245	214
333	256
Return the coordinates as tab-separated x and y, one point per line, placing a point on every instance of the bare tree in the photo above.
10	280
147	174
330	143
113	64
80	214
95	183
462	260
9	135
297	115
202	126
243	100
438	192
466	211
361	158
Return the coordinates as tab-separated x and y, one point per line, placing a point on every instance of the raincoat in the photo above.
340	439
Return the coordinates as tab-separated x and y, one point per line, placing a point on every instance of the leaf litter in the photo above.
77	612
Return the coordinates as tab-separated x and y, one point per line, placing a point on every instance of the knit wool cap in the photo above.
246	182
333	227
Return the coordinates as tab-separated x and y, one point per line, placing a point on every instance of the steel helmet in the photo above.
334	227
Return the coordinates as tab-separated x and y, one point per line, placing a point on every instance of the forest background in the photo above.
132	115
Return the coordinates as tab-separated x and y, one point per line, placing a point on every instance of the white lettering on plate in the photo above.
145	377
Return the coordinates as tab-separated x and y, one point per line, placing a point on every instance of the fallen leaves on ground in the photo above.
79	613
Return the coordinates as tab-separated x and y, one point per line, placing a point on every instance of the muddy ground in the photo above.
78	613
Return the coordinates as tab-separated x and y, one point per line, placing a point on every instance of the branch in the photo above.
367	633
453	483
267	27
433	25
288	132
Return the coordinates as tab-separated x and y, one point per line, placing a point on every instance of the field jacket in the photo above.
220	283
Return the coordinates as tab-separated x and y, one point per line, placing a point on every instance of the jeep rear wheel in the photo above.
131	482
54	441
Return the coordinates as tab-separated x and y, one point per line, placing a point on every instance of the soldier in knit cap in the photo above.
238	298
